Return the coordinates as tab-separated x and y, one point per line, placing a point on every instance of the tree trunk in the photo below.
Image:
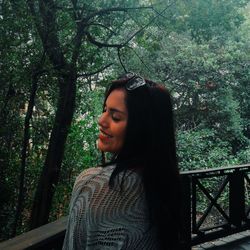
26	137
51	170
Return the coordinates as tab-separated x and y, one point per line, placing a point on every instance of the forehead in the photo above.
117	99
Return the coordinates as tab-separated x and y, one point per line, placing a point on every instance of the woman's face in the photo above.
113	122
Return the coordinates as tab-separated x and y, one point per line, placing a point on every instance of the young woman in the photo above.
132	202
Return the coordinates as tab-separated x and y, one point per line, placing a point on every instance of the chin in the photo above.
102	147
106	147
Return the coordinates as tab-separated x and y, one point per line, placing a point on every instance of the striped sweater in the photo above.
108	218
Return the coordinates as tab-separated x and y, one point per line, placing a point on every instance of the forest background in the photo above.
57	57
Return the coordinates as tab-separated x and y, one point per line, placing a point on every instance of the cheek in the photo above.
121	135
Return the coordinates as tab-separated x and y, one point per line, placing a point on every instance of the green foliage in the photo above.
205	19
199	48
202	149
81	151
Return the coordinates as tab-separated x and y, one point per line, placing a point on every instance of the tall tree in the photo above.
17	57
93	23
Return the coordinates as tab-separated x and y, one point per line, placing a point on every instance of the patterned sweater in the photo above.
108	218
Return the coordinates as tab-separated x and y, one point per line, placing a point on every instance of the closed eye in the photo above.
115	117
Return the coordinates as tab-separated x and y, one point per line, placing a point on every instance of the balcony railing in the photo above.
47	237
208	213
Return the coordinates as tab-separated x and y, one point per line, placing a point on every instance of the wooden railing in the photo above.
47	237
227	204
229	197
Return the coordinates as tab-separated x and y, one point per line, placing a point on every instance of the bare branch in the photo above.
100	44
146	25
103	26
115	9
121	45
95	72
120	59
145	65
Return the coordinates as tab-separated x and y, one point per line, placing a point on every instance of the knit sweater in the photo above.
108	218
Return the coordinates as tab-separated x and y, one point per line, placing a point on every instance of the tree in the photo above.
206	75
18	55
85	21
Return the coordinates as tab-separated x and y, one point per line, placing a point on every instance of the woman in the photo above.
132	202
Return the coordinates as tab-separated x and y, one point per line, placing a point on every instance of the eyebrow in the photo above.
116	110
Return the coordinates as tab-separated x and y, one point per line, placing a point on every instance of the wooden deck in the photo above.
239	241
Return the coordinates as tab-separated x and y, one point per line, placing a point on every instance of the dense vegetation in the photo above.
58	56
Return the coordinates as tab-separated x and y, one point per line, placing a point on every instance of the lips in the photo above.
104	136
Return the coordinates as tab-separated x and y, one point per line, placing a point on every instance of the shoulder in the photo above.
88	173
92	173
129	181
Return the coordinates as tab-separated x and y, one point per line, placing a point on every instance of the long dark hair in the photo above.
150	146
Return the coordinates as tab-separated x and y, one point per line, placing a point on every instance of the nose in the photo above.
103	121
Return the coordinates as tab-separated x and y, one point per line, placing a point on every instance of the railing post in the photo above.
194	202
186	213
236	198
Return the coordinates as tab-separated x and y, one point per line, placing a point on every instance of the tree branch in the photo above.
78	42
115	9
100	44
121	45
47	30
74	9
145	65
103	26
146	25
95	72
120	59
